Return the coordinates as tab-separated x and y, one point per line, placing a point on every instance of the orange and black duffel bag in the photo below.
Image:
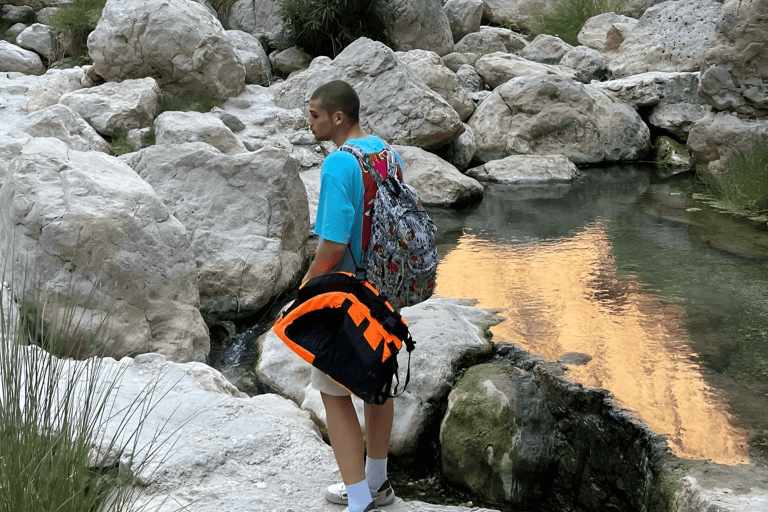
342	326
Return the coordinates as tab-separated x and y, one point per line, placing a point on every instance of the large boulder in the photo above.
246	217
15	58
437	182
98	239
39	38
671	100
546	49
480	43
258	69
63	123
18	13
734	71
448	334
525	169
499	68
545	115
116	106
587	63
54	84
671	36
513	41
180	127
714	139
430	68
421	25
394	102
594	33
257	17
461	151
177	42
463	16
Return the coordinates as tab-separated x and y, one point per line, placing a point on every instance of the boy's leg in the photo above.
378	428
346	437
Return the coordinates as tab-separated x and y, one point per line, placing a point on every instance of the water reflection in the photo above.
563	295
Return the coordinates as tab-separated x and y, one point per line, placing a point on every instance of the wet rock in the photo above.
256	18
429	67
499	68
39	38
448	334
61	122
587	63
526	168
734	71
545	115
176	41
114	107
54	84
575	359
180	127
546	49
463	16
420	25
671	36
394	102
17	59
714	139
437	182
246	217
98	238
594	33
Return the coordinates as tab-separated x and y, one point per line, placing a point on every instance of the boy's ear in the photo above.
338	117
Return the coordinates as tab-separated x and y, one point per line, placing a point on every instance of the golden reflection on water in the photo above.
564	296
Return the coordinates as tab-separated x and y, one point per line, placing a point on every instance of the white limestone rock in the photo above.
463	16
394	102
54	84
116	106
179	127
421	25
177	42
513	42
469	79
445	330
438	182
545	115
454	60
17	59
39	38
461	151
258	69
670	36
61	122
587	63
526	169
594	33
499	11
98	238
481	43
546	49
257	18
246	217
290	60
430	68
499	68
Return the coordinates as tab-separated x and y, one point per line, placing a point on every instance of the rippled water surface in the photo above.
615	266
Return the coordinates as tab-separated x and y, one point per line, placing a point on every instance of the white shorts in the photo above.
325	384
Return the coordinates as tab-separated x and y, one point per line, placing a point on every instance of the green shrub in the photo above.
326	27
75	21
744	185
120	144
566	19
187	104
54	449
148	139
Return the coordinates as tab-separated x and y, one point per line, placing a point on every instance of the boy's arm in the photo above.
327	256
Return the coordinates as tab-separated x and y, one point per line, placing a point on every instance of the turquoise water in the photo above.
668	297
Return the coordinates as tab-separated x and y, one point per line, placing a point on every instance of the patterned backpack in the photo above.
401	256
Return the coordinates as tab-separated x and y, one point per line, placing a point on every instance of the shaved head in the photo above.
338	96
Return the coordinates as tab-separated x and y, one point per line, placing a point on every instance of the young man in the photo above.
343	225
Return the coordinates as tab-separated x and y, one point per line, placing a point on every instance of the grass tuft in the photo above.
744	185
565	20
120	144
184	104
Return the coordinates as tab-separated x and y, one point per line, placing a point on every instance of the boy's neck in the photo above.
355	132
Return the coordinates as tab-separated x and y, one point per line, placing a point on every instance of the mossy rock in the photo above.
671	157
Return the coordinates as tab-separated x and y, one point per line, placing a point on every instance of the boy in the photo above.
343	224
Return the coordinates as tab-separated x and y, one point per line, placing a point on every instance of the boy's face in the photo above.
320	122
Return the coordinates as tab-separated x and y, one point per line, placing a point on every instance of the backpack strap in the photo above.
364	159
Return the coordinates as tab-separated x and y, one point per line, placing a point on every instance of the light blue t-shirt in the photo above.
340	209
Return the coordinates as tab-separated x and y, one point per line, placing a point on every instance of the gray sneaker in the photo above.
337	493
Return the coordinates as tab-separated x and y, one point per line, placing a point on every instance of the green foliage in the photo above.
78	15
744	185
120	144
222	7
566	19
191	104
148	139
512	25
54	449
326	27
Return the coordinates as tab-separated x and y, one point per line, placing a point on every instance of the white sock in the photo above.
359	496
376	471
